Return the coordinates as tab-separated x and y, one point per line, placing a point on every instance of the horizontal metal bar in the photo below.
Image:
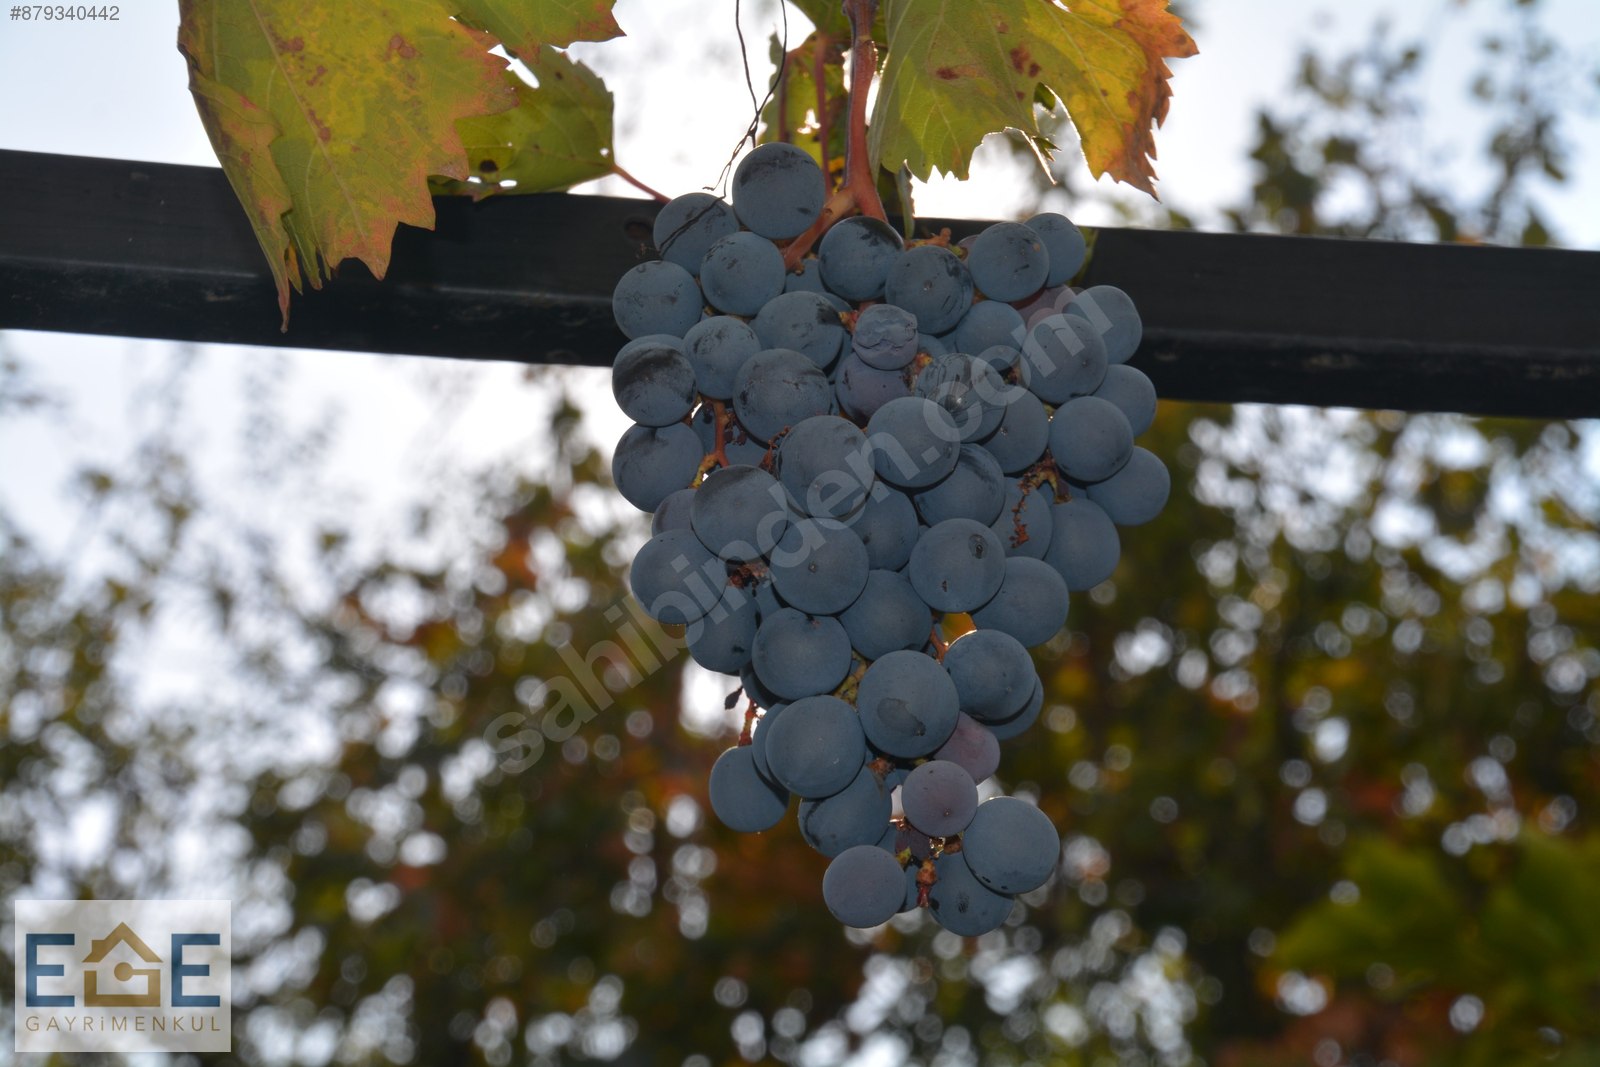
104	246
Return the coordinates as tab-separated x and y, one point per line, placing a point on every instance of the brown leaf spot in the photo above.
399	44
316	75
949	74
488	166
1022	59
296	44
323	133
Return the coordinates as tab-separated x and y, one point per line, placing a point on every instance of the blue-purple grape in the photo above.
975	490
651	463
1011	846
1031	604
856	815
778	191
741	798
1090	439
933	284
957	565
962	904
803	322
825	465
1008	261
652	380
887	526
1115	320
741	273
675	578
819	565
972	747
988	324
856	254
798	655
688	225
1084	546
915	442
1024	524
656	297
778	388
887	617
885	337
939	798
908	704
1064	243
864	887
1136	493
738	513
816	748
993	674
1133	394
716	348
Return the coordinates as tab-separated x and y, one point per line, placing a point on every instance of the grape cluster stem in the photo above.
616	168
850	686
859	193
927	875
718	456
751	713
819	78
719	410
1045	473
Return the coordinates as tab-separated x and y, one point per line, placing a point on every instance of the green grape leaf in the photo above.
957	71
346	108
526	26
558	135
825	15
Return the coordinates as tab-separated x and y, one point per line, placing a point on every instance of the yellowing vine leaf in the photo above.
959	70
558	135
242	134
526	26
343	110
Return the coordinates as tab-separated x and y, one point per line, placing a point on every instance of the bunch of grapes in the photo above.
848	458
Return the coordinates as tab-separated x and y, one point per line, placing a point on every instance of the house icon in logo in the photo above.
122	937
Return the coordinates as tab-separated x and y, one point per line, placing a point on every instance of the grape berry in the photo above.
846	460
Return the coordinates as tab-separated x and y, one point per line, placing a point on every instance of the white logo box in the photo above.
123	975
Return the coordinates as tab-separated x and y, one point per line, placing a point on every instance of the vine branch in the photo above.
859	193
616	169
863	65
783	98
819	76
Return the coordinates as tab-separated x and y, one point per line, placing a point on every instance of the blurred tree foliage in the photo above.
1324	751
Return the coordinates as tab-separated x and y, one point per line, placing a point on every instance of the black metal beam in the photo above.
93	245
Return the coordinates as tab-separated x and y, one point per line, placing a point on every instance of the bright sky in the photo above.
119	90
